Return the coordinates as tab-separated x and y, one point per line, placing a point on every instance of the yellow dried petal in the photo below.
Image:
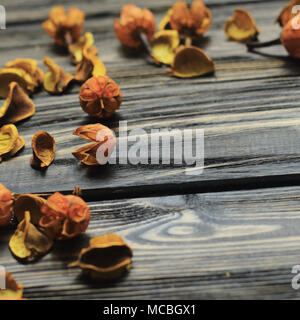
8	137
164	44
165	22
191	62
241	27
20	143
43	146
13	291
18	106
56	79
76	49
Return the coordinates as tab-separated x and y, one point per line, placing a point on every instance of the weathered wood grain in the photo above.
239	244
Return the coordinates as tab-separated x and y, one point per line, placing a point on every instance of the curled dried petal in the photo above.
10	141
85	42
13	290
6	203
90	131
56	79
43	146
290	37
28	243
241	27
17	106
165	21
132	23
108	257
164	44
87	154
287	13
191	62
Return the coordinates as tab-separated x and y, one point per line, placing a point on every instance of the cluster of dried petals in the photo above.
13	291
100	97
190	22
56	79
290	37
241	26
6	205
43	147
17	106
64	28
288	13
85	42
133	22
28	243
10	141
107	258
99	152
64	217
191	62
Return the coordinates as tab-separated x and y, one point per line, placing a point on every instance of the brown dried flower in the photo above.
100	97
108	257
64	217
98	152
287	13
6	203
64	28
13	291
290	37
17	106
43	146
132	23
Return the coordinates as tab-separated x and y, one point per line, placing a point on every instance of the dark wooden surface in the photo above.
232	232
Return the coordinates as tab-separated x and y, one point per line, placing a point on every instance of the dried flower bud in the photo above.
85	42
241	27
98	152
64	28
28	243
132	23
108	257
10	141
290	37
18	106
191	62
191	22
64	217
43	146
100	97
30	66
163	45
56	79
13	291
6	203
287	13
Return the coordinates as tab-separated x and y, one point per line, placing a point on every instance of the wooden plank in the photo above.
239	244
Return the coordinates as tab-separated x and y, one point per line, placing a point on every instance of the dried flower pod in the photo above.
85	42
100	97
91	65
28	243
43	146
10	141
132	23
56	79
107	258
30	66
31	203
6	205
163	45
241	27
190	22
8	75
17	106
99	152
13	291
64	217
191	62
64	28
290	37
287	13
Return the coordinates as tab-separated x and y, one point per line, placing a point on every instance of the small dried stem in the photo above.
257	44
188	41
68	38
145	43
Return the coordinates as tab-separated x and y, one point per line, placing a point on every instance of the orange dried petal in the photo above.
13	291
6	205
290	37
90	131
287	13
87	154
43	146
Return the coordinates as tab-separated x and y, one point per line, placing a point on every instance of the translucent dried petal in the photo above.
64	28
100	97
10	141
31	203
28	243
6	204
13	291
85	42
56	79
108	257
290	37
43	146
134	21
191	62
8	75
17	106
287	14
163	45
241	27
